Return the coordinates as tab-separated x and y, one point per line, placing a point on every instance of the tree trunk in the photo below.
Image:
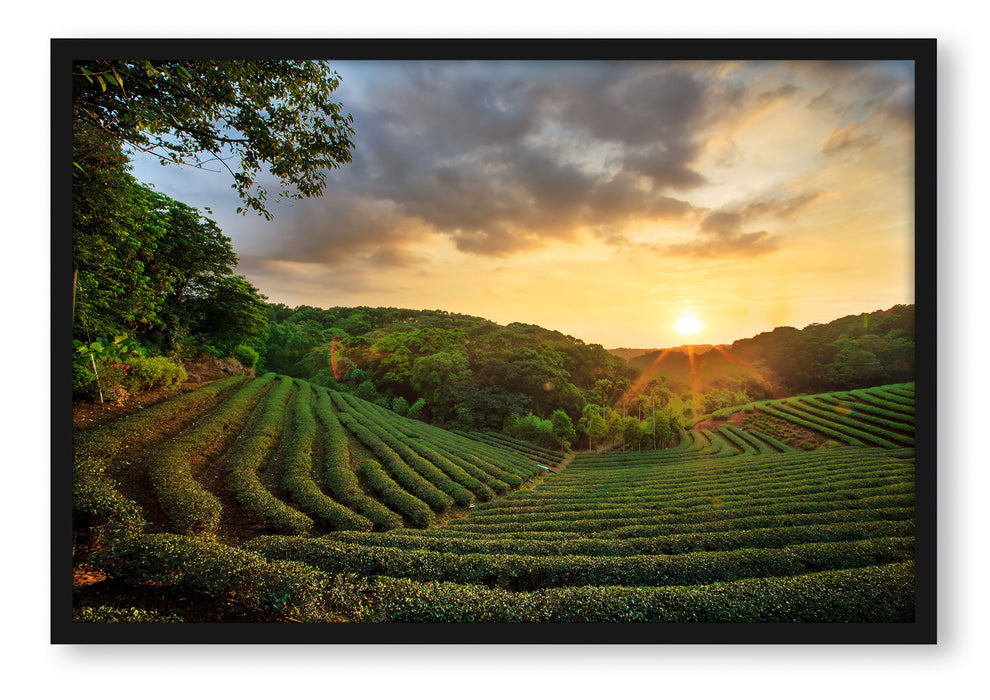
75	276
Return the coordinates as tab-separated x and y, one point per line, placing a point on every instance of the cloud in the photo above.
734	245
783	208
502	158
721	235
852	138
863	90
666	165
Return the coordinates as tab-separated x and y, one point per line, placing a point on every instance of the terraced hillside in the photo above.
877	417
273	499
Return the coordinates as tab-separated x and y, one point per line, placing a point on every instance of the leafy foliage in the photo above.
273	116
150	265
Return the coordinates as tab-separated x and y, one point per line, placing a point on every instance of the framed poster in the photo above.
498	341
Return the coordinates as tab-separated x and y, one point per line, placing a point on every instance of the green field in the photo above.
272	499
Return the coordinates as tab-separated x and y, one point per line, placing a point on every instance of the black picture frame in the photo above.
923	52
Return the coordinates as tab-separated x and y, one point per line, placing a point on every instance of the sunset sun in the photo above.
688	324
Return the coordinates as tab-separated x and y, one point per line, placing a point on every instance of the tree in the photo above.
225	312
603	386
267	115
563	428
150	266
632	432
597	429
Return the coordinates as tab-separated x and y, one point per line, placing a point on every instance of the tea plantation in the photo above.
272	499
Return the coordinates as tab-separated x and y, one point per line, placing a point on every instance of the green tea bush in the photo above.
394	496
863	413
106	613
437	469
96	500
246	355
873	435
737	440
757	537
793	417
190	565
527	573
150	373
898	409
772	441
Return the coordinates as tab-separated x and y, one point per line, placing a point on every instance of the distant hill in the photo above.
629	353
855	351
455	370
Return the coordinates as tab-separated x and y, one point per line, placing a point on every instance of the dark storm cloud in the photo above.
342	229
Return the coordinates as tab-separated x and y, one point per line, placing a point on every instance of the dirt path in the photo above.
562	465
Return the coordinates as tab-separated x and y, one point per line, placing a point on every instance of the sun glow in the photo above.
688	324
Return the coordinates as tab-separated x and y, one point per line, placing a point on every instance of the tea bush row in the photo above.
657	489
297	479
263	437
898	409
730	515
864	409
437	450
452	484
867	419
339	477
189	565
397	469
853	426
790	415
756	445
501	464
394	496
527	573
853	488
190	508
528	449
766	537
96	499
480	454
711	505
881	594
901	497
772	441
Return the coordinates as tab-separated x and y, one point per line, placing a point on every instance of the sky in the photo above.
605	200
